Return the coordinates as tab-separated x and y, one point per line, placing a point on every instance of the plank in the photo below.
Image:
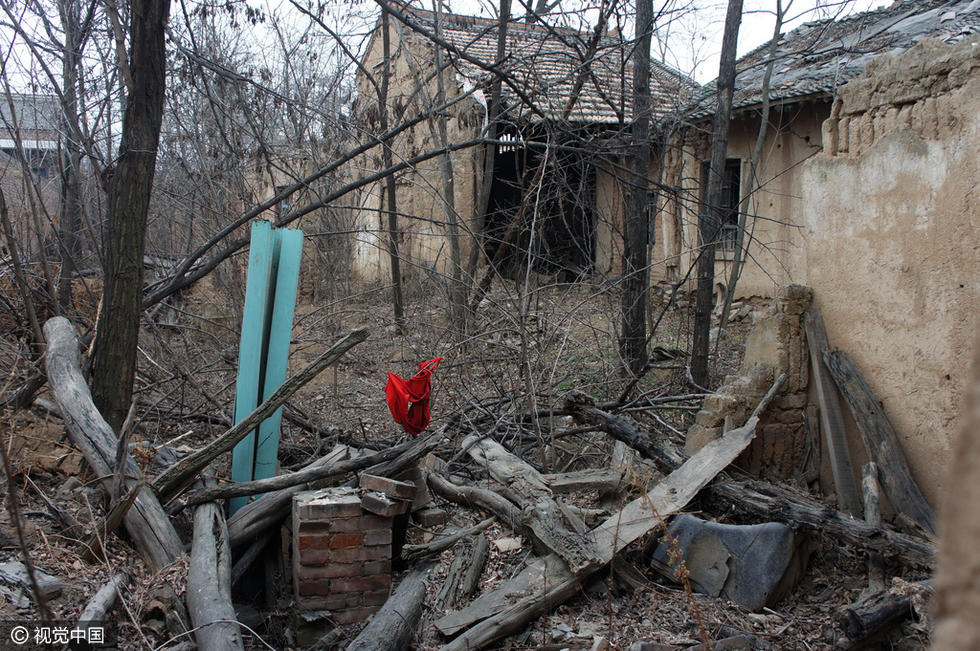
880	441
523	593
831	418
290	245
252	347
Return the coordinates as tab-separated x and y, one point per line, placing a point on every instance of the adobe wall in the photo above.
891	244
423	245
793	135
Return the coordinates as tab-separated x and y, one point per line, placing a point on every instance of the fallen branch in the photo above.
95	610
392	627
874	613
514	603
413	552
146	522
168	484
478	497
94	544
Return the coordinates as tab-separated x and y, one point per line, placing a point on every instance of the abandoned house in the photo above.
863	190
30	141
559	101
866	193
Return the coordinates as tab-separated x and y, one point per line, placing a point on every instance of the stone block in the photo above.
752	565
396	490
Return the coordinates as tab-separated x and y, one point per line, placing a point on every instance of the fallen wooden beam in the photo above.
831	418
881	441
769	501
516	602
584	480
95	610
392	627
147	523
171	481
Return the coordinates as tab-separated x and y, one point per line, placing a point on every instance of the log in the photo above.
393	626
516	602
881	441
169	484
474	571
209	582
604	481
147	522
542	515
872	515
483	498
95	610
874	613
770	501
831	418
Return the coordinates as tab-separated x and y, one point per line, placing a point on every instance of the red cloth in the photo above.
408	399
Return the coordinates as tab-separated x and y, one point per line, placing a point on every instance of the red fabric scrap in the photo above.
408	399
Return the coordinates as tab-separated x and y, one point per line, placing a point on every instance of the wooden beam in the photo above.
881	441
831	419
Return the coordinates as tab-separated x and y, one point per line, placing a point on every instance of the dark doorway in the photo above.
549	219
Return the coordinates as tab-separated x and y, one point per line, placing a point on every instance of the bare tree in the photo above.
711	214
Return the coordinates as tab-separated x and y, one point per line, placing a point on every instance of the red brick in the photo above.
381	504
364	523
396	490
331	602
329	541
353	554
361	584
331	570
354	615
375	567
377	537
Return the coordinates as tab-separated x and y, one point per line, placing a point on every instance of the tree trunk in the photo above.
124	238
389	187
636	277
711	210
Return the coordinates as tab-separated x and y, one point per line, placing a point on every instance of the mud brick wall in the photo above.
775	345
341	555
918	90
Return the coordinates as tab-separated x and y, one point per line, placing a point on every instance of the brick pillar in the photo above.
341	555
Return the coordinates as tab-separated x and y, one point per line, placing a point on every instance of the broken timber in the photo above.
831	419
392	627
540	512
764	499
514	603
880	441
147	522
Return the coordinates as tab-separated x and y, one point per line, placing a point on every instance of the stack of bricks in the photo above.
342	547
341	555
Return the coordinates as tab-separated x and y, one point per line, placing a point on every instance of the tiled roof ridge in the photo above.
468	23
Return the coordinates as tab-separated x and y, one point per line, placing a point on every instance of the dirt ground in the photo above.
524	353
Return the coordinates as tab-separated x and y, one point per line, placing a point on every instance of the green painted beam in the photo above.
252	348
277	358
